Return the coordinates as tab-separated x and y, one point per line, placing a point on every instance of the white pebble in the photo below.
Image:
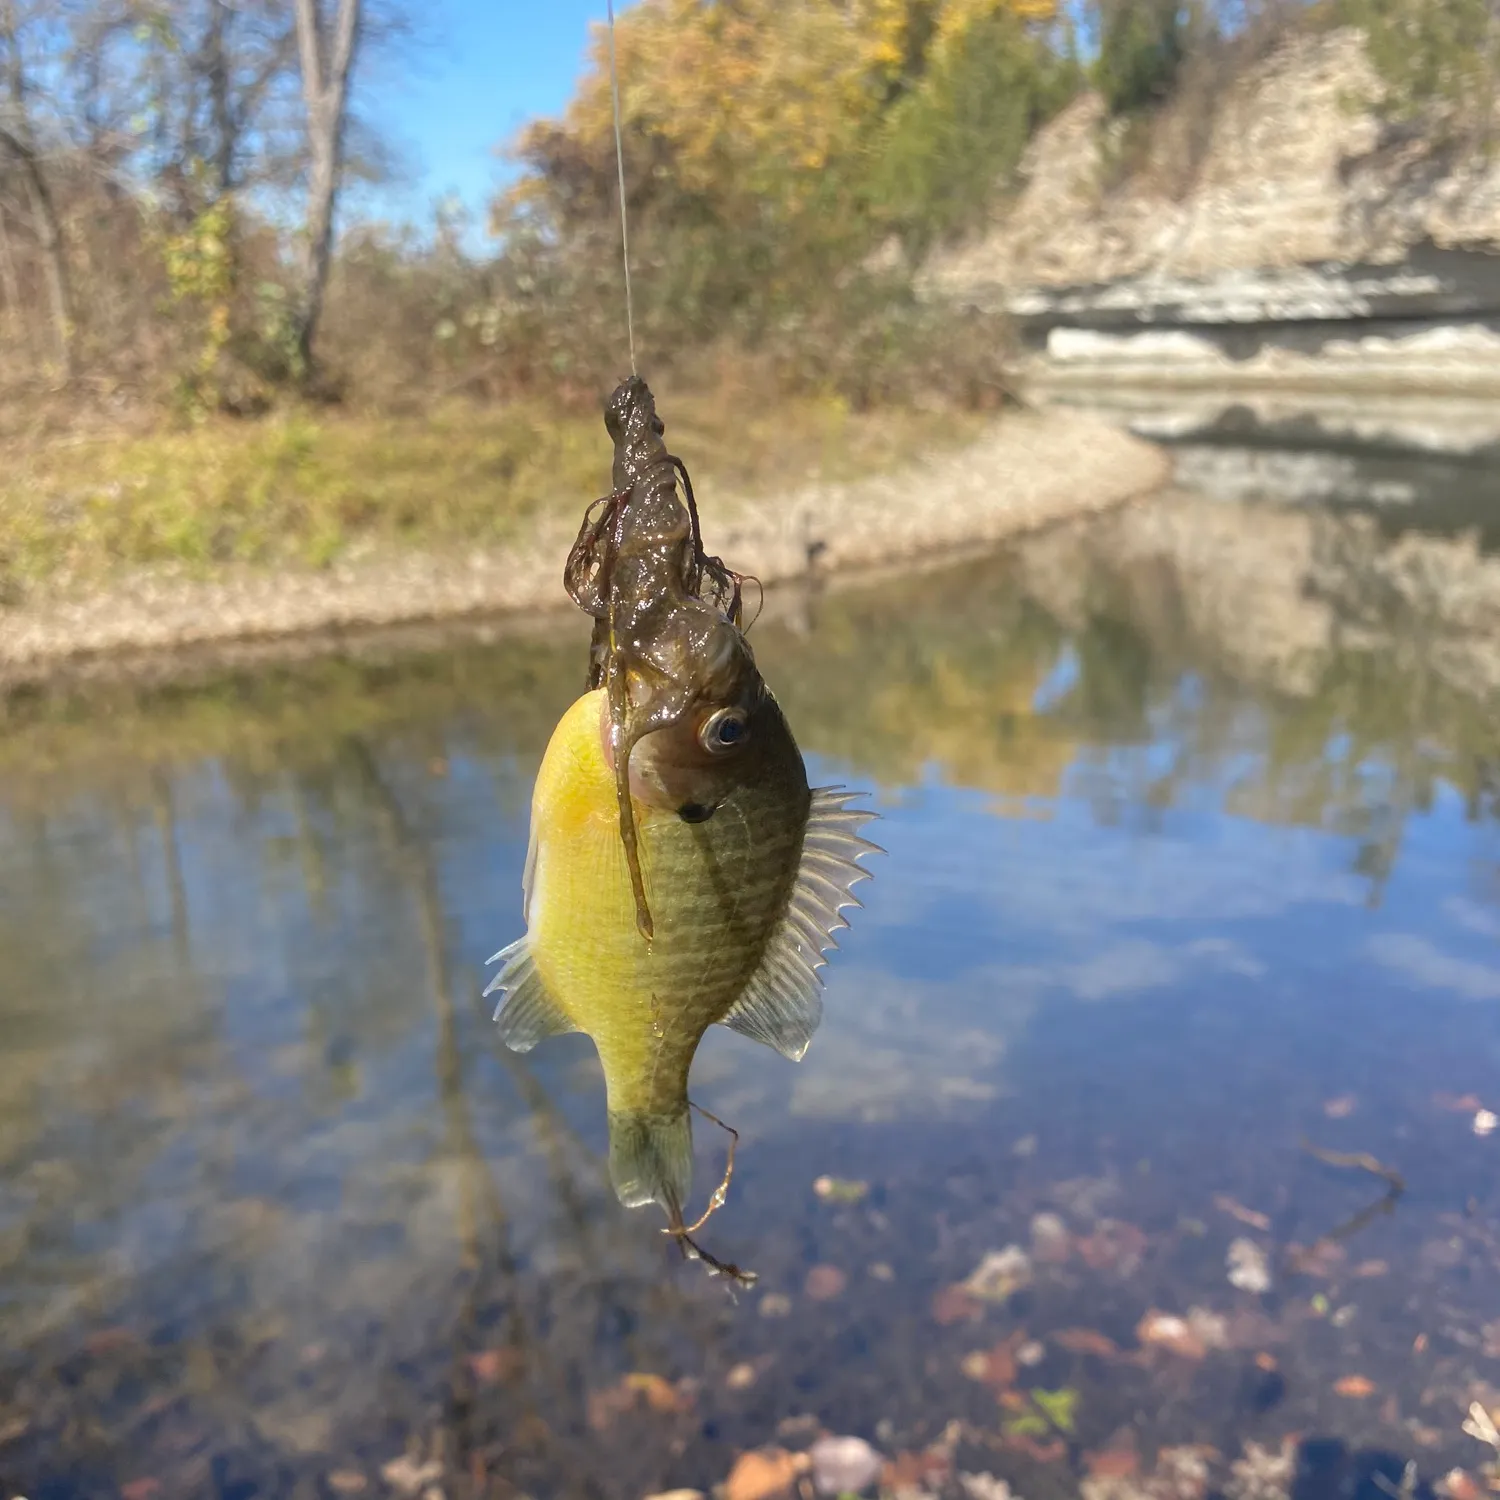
1248	1268
843	1465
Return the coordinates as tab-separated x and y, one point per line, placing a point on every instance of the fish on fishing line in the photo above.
680	872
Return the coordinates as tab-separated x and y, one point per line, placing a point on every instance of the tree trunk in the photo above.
216	65
17	138
54	268
325	90
10	288
1491	69
49	234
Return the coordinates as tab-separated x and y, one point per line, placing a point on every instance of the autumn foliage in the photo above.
754	104
786	164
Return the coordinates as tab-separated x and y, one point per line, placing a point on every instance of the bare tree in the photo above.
217	82
10	285
243	53
1491	80
326	65
19	140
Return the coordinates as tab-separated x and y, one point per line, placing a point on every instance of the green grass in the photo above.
304	488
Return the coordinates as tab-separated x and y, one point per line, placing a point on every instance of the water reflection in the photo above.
1412	462
1186	809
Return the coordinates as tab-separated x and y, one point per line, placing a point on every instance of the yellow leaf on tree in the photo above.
764	94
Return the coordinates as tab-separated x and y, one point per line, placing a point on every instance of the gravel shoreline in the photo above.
1032	469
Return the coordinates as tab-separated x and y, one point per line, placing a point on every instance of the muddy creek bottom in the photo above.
1193	863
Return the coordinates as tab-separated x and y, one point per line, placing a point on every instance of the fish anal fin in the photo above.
778	1012
651	1158
782	1004
526	1014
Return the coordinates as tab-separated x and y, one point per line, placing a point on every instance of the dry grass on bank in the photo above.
309	486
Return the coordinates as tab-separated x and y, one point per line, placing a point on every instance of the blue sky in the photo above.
479	69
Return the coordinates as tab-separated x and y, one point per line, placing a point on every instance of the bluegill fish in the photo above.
680	873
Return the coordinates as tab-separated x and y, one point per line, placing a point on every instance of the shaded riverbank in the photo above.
1029	470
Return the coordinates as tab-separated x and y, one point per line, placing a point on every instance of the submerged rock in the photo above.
1209	1327
1050	1241
410	1476
985	1487
1248	1267
1167	1331
1000	1273
1262	1473
843	1465
824	1283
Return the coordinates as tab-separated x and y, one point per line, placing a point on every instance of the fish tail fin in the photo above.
651	1158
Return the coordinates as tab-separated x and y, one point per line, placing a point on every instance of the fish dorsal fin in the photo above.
783	1002
526	1013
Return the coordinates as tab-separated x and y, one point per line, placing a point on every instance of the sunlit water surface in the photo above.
276	1210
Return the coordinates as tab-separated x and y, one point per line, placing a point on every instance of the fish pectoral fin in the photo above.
526	1013
651	1158
783	1002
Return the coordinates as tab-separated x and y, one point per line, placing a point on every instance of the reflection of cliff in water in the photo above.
1426	464
1300	665
1341	674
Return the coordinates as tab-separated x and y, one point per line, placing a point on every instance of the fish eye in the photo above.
724	730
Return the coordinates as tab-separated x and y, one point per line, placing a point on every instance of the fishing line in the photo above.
614	93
